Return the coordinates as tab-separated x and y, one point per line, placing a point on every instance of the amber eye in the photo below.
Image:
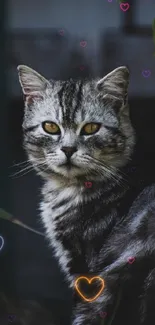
90	128
51	128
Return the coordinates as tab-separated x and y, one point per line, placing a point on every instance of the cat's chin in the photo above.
69	171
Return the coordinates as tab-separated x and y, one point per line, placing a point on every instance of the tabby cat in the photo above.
80	140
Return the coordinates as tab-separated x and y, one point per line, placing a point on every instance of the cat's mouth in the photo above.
68	165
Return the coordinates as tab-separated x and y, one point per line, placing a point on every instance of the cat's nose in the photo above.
69	151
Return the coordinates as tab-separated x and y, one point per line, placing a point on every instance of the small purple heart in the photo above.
11	317
61	32
146	73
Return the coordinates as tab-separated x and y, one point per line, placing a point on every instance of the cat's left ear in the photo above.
115	84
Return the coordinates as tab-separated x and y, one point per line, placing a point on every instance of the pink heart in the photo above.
82	68
61	32
131	260
88	184
103	314
83	43
124	6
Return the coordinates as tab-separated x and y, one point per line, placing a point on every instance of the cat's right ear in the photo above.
32	83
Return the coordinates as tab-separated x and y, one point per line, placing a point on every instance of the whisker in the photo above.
43	170
24	162
26	170
110	170
122	174
116	176
19	173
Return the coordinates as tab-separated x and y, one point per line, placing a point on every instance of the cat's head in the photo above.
77	129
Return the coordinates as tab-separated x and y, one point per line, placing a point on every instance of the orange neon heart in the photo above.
89	281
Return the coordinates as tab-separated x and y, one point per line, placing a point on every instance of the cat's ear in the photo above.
32	83
115	83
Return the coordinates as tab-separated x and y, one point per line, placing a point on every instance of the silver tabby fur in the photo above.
98	159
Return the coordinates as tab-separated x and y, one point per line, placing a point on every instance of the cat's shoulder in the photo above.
142	211
145	199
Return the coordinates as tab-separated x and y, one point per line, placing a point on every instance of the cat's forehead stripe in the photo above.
60	98
78	98
69	97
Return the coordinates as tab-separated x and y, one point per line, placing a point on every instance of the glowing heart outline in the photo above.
89	281
123	5
1	243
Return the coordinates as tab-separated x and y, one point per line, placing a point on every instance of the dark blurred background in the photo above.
46	35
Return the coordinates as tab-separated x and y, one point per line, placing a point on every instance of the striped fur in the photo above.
95	230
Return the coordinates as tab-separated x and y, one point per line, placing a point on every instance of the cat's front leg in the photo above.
115	276
88	313
84	314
